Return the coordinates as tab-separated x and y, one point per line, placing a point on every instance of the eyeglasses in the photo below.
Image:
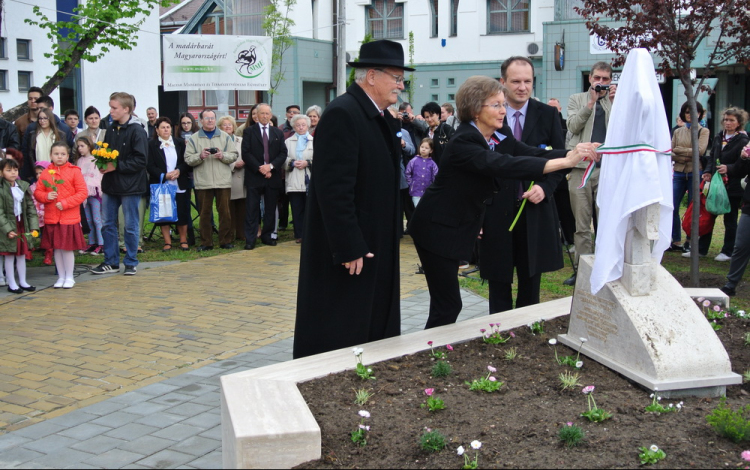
399	78
42	119
187	123
495	105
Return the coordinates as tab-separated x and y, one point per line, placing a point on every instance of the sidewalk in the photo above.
154	402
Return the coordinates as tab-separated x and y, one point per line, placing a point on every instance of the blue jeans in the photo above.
681	182
110	207
93	210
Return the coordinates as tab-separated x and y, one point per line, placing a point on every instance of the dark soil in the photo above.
518	425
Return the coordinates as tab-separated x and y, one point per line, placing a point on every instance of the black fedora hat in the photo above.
382	53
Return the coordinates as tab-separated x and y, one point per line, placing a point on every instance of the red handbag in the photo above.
706	219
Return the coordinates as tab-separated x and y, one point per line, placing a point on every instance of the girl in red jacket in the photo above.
62	189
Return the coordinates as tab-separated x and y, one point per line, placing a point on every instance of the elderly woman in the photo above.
448	219
314	112
725	150
166	156
299	169
239	193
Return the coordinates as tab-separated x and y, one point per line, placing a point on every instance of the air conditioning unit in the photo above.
534	49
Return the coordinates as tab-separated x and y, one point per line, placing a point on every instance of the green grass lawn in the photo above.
712	273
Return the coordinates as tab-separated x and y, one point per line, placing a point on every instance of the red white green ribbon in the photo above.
617	151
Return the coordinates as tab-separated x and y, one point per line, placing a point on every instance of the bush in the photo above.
441	369
730	424
571	435
432	441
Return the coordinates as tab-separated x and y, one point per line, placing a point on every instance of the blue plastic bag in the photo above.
163	207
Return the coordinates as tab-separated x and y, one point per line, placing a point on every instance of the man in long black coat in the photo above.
533	247
349	268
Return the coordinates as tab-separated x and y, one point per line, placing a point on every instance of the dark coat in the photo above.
728	155
449	216
741	169
130	177
9	135
541	127
252	155
352	210
443	133
157	162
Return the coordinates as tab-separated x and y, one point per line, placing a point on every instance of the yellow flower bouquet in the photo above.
30	237
103	155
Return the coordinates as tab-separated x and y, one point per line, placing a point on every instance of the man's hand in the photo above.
265	169
218	155
204	154
535	195
612	91
593	96
355	267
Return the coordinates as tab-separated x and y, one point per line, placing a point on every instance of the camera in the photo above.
212	150
405	116
599	88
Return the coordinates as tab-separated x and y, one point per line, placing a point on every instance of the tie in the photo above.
517	129
265	146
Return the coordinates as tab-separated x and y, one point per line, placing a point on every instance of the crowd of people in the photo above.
252	174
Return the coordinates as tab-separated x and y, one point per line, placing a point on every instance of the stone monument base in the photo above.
661	340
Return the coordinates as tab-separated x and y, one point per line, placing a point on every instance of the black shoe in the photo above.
28	289
250	246
727	289
105	268
15	291
205	248
129	271
674	247
270	242
226	246
571	281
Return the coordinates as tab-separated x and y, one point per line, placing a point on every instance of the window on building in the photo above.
211	99
451	97
385	19
246	97
433	18
3	80
451	82
24	81
435	98
435	82
507	16
195	98
454	17
244	17
23	49
3	49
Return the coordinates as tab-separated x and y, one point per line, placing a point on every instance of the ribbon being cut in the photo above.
636	170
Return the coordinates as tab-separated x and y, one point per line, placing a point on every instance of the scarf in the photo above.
17	193
166	143
302	144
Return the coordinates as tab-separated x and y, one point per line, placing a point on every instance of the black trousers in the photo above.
298	200
565	212
283	204
442	281
501	295
252	213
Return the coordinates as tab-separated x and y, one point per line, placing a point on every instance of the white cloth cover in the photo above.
636	167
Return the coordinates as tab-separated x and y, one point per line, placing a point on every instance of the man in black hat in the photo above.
349	268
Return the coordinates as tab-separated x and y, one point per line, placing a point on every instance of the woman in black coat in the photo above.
448	218
725	150
166	156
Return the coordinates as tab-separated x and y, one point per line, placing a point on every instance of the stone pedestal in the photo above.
658	337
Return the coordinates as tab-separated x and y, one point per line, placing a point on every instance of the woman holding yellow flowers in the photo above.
18	224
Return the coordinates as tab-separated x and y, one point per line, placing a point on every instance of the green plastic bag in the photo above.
717	201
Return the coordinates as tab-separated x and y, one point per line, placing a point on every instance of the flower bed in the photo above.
518	425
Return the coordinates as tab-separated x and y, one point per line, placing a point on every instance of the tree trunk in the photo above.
694	223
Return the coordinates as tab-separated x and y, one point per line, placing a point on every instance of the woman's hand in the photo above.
173	175
706	177
722	169
535	195
51	196
239	164
59	205
12	235
300	164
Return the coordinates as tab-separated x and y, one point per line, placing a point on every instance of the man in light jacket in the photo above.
210	151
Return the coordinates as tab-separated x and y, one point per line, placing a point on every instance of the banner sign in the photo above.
216	62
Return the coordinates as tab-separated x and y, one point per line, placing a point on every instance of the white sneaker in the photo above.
686	254
59	283
68	284
722	257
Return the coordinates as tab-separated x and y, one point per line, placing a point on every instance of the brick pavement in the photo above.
64	349
172	418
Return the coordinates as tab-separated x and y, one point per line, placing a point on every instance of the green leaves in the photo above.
277	24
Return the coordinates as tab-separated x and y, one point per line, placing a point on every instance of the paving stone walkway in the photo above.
159	343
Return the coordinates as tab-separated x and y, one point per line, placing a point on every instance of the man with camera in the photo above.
415	125
210	151
588	116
